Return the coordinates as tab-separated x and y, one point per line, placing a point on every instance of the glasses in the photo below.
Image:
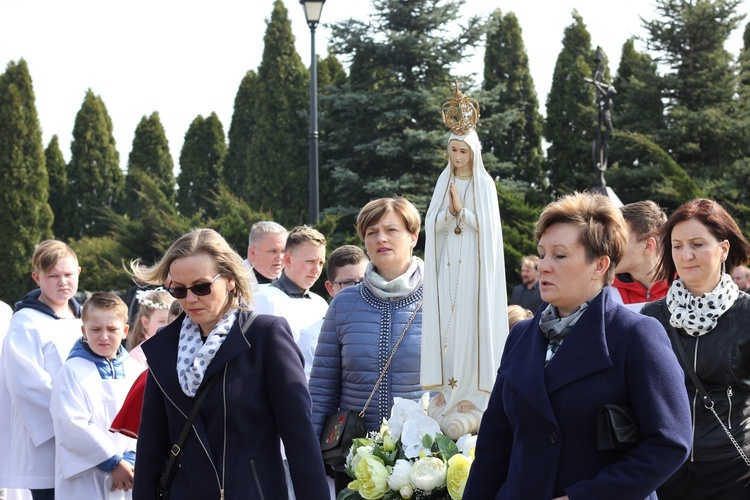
200	290
346	283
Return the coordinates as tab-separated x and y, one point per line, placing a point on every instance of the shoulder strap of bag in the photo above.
707	402
390	358
166	478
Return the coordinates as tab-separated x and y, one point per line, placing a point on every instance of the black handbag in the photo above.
617	428
339	430
342	427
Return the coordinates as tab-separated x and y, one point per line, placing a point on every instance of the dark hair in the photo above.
343	256
718	222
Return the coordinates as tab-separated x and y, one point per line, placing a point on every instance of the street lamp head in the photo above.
313	9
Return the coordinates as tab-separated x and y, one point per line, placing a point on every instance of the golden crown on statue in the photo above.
461	113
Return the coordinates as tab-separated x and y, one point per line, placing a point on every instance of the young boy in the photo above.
42	331
87	393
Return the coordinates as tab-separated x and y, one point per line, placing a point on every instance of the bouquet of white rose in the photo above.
408	458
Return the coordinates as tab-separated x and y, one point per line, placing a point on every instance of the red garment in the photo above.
128	420
632	292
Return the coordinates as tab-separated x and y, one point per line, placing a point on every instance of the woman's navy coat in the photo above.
259	395
538	440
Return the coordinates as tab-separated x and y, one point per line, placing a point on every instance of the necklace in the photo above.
463	177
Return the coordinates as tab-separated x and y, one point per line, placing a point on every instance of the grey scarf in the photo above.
397	288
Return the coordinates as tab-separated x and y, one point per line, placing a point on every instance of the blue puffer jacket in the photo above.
356	339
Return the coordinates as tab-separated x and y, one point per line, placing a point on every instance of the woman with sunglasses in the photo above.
255	386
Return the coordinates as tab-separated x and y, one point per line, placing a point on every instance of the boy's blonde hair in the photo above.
48	253
303	234
105	301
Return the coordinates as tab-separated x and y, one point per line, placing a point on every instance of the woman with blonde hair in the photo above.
540	436
251	372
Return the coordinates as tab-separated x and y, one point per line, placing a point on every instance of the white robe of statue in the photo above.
465	318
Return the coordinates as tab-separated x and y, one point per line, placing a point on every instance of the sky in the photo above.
187	58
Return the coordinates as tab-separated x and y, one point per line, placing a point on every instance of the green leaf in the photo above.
446	447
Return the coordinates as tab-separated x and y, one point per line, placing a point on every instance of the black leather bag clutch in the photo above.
617	428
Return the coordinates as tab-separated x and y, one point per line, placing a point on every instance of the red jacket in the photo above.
632	292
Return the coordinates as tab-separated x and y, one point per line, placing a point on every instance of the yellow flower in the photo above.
388	443
458	473
372	476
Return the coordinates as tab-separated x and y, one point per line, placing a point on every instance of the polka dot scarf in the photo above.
194	356
699	315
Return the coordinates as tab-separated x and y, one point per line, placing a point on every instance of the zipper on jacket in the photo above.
695	398
195	431
729	415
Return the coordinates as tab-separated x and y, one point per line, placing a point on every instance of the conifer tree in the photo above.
201	159
95	181
571	113
150	155
58	186
236	171
507	65
385	133
699	84
278	150
638	106
26	217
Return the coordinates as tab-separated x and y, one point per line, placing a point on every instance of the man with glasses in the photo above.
346	267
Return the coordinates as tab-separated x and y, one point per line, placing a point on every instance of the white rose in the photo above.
400	475
428	473
406	492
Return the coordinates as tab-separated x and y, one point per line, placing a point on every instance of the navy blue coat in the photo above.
538	440
260	395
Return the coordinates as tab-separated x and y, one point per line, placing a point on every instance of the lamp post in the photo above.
313	9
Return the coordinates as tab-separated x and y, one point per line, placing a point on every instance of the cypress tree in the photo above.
638	105
26	217
571	113
506	65
201	158
95	181
58	186
278	151
236	170
150	155
700	84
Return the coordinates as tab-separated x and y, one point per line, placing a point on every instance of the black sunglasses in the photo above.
201	289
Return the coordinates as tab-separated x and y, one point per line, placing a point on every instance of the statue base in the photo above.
454	423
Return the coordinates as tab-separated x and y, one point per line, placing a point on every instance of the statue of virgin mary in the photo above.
465	318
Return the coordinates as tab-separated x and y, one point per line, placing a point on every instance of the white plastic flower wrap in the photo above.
428	473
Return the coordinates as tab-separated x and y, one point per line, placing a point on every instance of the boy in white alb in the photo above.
42	332
290	296
87	393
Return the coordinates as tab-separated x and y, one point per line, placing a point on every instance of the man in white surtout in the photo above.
290	296
465	318
265	253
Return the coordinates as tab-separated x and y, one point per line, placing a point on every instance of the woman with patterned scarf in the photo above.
709	317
